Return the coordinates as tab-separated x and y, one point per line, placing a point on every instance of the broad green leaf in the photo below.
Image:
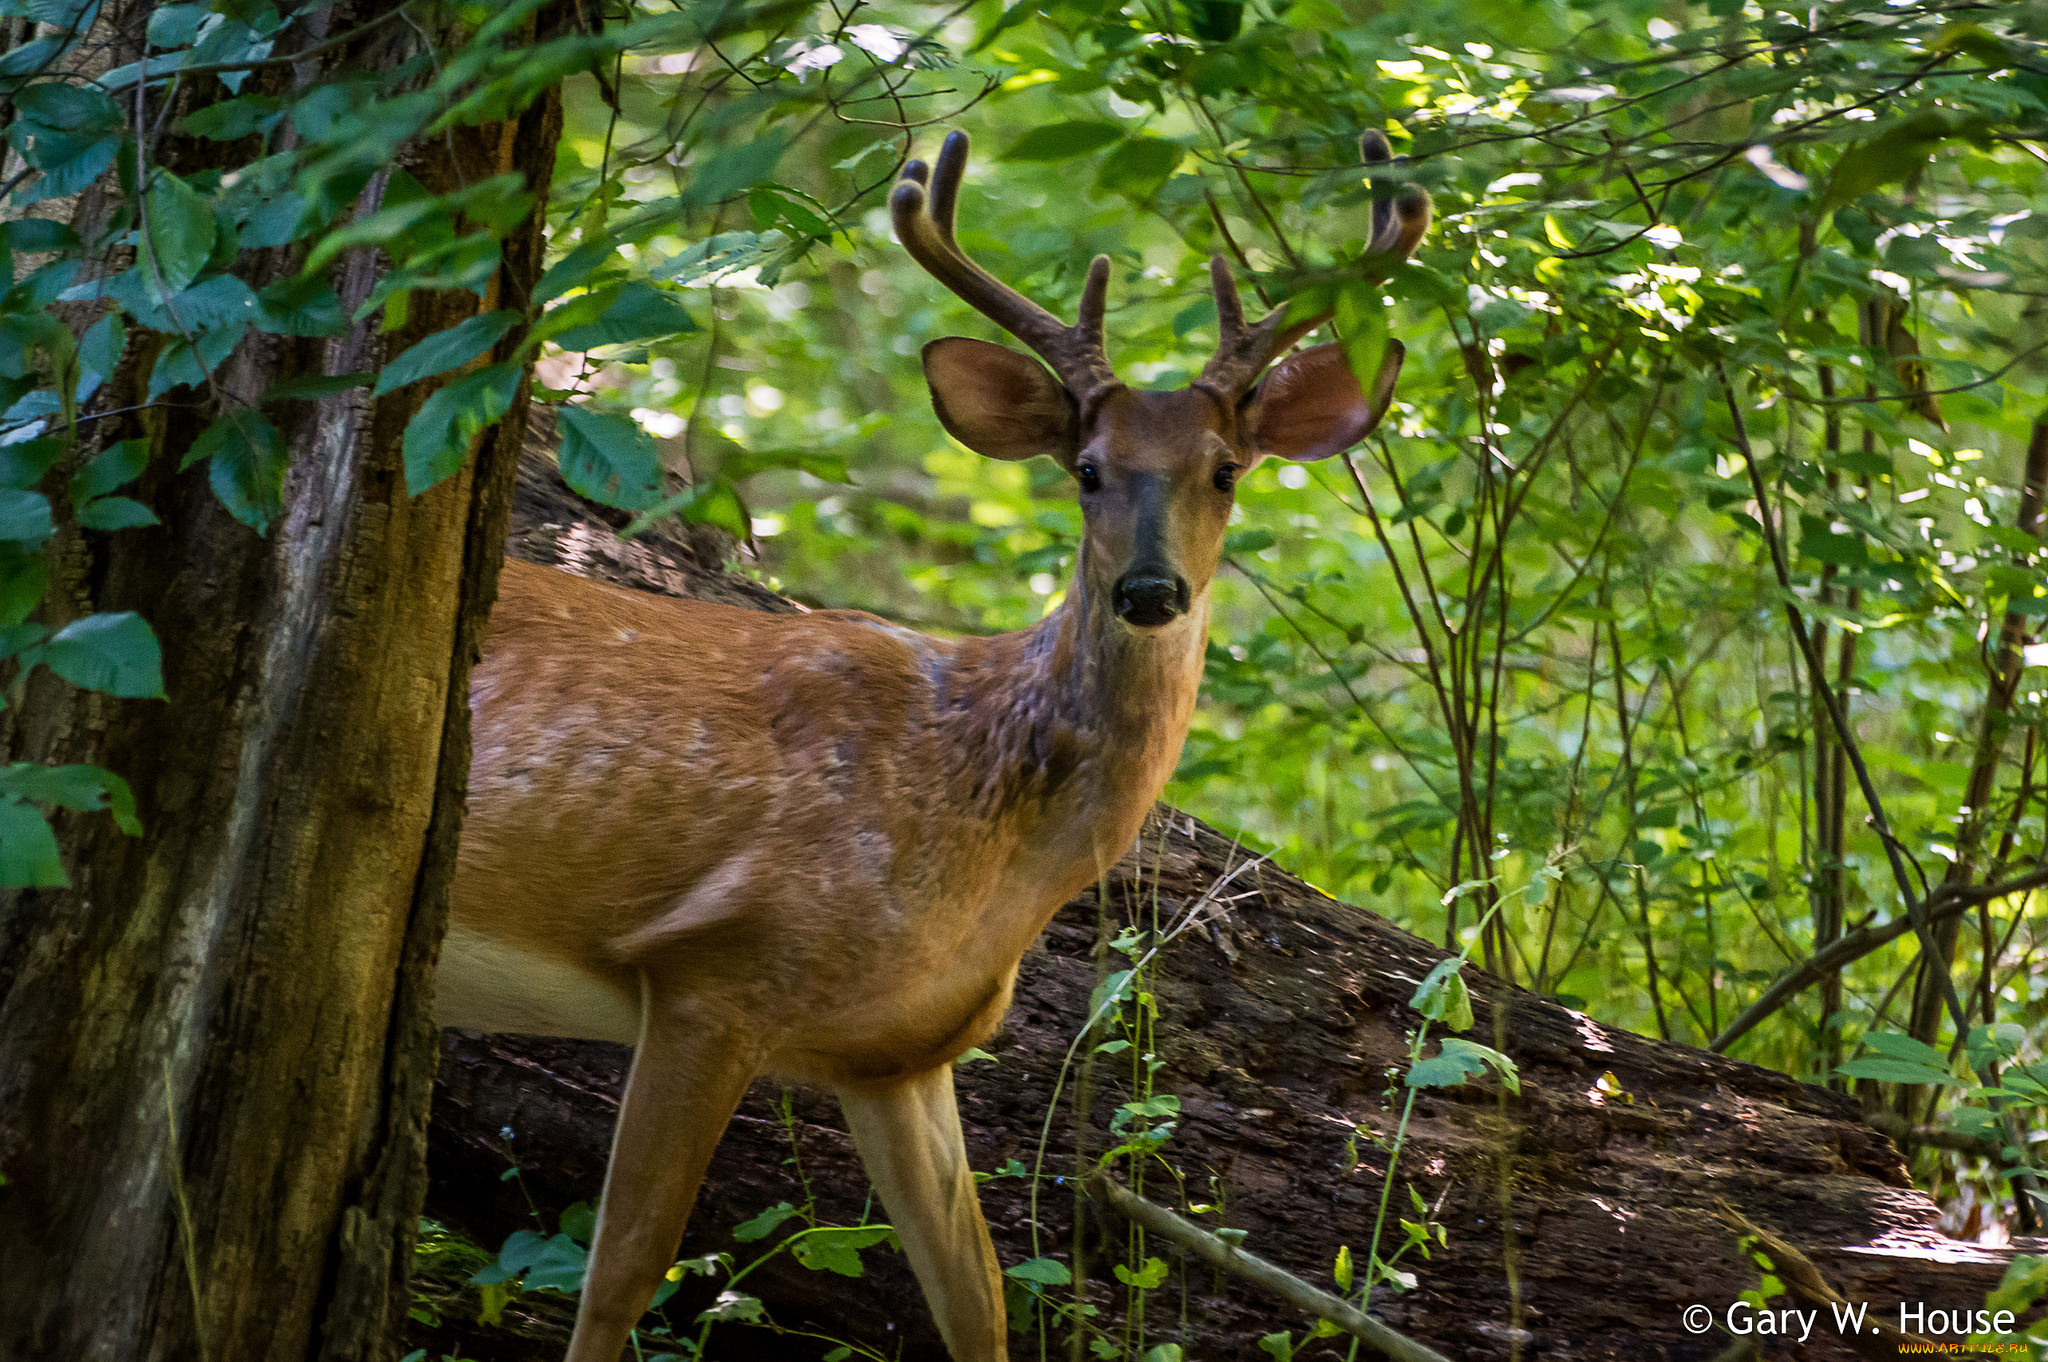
437	439
1063	141
115	466
1458	1059
115	653
559	1266
1896	1071
607	457
28	849
1139	167
1147	1278
519	1252
99	349
837	1250
182	363
735	169
178	232
115	513
313	387
299	305
1043	1271
1443	997
82	789
445	350
248	459
761	1226
1905	1047
25	516
629	313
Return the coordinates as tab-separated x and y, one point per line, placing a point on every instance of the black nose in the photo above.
1149	598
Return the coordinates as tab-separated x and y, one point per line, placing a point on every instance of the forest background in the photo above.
1673	646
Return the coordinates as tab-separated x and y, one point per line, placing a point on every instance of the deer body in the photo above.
885	819
818	845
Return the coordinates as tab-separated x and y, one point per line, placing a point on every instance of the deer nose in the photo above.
1149	598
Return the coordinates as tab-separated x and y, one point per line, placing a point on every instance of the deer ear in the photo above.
1310	405
998	402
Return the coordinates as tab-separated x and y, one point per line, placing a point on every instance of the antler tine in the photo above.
924	223
1399	222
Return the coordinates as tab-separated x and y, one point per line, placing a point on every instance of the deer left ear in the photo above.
1310	405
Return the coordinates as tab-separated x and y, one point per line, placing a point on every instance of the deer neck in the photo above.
1087	716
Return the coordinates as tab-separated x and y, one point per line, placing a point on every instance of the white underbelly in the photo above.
486	985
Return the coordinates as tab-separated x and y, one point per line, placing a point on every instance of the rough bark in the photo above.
1582	1215
218	1041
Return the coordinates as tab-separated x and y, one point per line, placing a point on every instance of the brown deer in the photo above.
817	845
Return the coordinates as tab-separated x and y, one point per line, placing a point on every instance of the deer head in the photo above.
1157	470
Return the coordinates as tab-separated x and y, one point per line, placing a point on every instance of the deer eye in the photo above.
1089	477
1226	477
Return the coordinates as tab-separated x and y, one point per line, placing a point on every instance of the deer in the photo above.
817	845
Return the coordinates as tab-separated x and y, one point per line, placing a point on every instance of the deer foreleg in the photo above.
909	1138
688	1076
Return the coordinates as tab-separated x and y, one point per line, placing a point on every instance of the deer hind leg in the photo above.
909	1138
687	1078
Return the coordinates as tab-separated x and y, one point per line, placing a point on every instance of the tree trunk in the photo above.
218	1040
1580	1215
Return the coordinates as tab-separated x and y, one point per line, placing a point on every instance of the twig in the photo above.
1846	949
1308	1299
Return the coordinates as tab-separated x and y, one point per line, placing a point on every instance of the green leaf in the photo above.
232	119
115	513
299	305
445	350
115	466
182	363
1362	325
25	516
745	463
1043	1271
99	349
23	463
313	387
178	235
837	1250
1063	141
735	169
1896	1071
1240	542
28	849
607	457
559	1266
1443	997
82	789
1458	1059
1146	1278
114	653
36	236
629	313
248	464
1905	1047
437	439
761	1226
1139	167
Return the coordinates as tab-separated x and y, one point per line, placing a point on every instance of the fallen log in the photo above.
1580	1216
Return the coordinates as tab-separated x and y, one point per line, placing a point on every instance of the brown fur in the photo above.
818	845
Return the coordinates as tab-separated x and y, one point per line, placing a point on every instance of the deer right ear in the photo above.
998	402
